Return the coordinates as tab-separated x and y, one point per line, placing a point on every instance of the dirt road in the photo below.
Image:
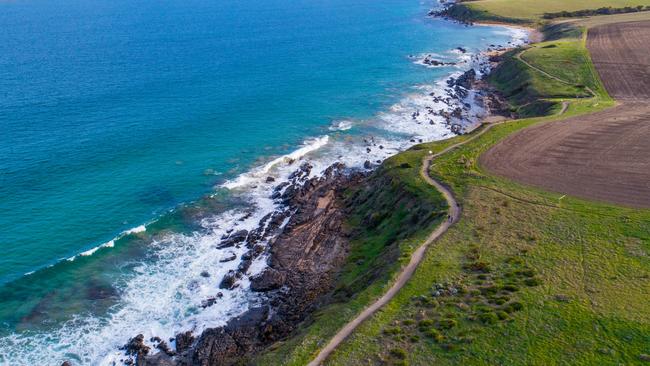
604	156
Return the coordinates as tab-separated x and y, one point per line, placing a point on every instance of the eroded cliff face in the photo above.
304	258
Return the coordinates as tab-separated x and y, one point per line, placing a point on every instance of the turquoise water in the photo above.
118	114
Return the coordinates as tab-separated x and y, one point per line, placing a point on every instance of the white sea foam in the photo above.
257	174
110	243
341	125
135	230
165	294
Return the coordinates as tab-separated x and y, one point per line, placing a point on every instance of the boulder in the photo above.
268	280
229	258
232	239
136	346
183	341
164	347
228	281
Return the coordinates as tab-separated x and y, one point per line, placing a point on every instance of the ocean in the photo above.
134	135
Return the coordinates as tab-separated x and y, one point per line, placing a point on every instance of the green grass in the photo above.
526	277
545	280
532	10
530	91
389	216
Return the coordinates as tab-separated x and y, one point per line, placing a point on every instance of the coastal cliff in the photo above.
324	219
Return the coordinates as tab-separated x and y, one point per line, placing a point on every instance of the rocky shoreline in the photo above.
308	245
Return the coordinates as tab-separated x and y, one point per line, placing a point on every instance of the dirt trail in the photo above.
583	156
416	257
603	156
518	57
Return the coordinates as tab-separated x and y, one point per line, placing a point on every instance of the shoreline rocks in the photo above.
304	257
308	245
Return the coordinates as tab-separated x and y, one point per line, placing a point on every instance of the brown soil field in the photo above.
603	156
621	54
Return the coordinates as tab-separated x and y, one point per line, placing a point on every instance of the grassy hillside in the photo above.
531	11
536	80
389	217
525	278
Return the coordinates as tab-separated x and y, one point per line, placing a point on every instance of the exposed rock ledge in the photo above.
304	259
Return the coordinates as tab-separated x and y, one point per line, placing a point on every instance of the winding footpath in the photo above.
518	57
416	257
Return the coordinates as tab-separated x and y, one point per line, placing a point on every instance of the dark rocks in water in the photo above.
232	239
456	128
205	274
164	347
457	113
211	300
136	347
66	363
302	172
270	179
277	191
268	280
368	150
244	266
100	292
461	49
231	257
461	92
277	220
229	280
247	215
433	62
467	79
183	341
367	164
255	251
304	257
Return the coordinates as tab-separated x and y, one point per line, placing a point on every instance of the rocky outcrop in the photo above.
467	79
304	257
270	279
233	239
